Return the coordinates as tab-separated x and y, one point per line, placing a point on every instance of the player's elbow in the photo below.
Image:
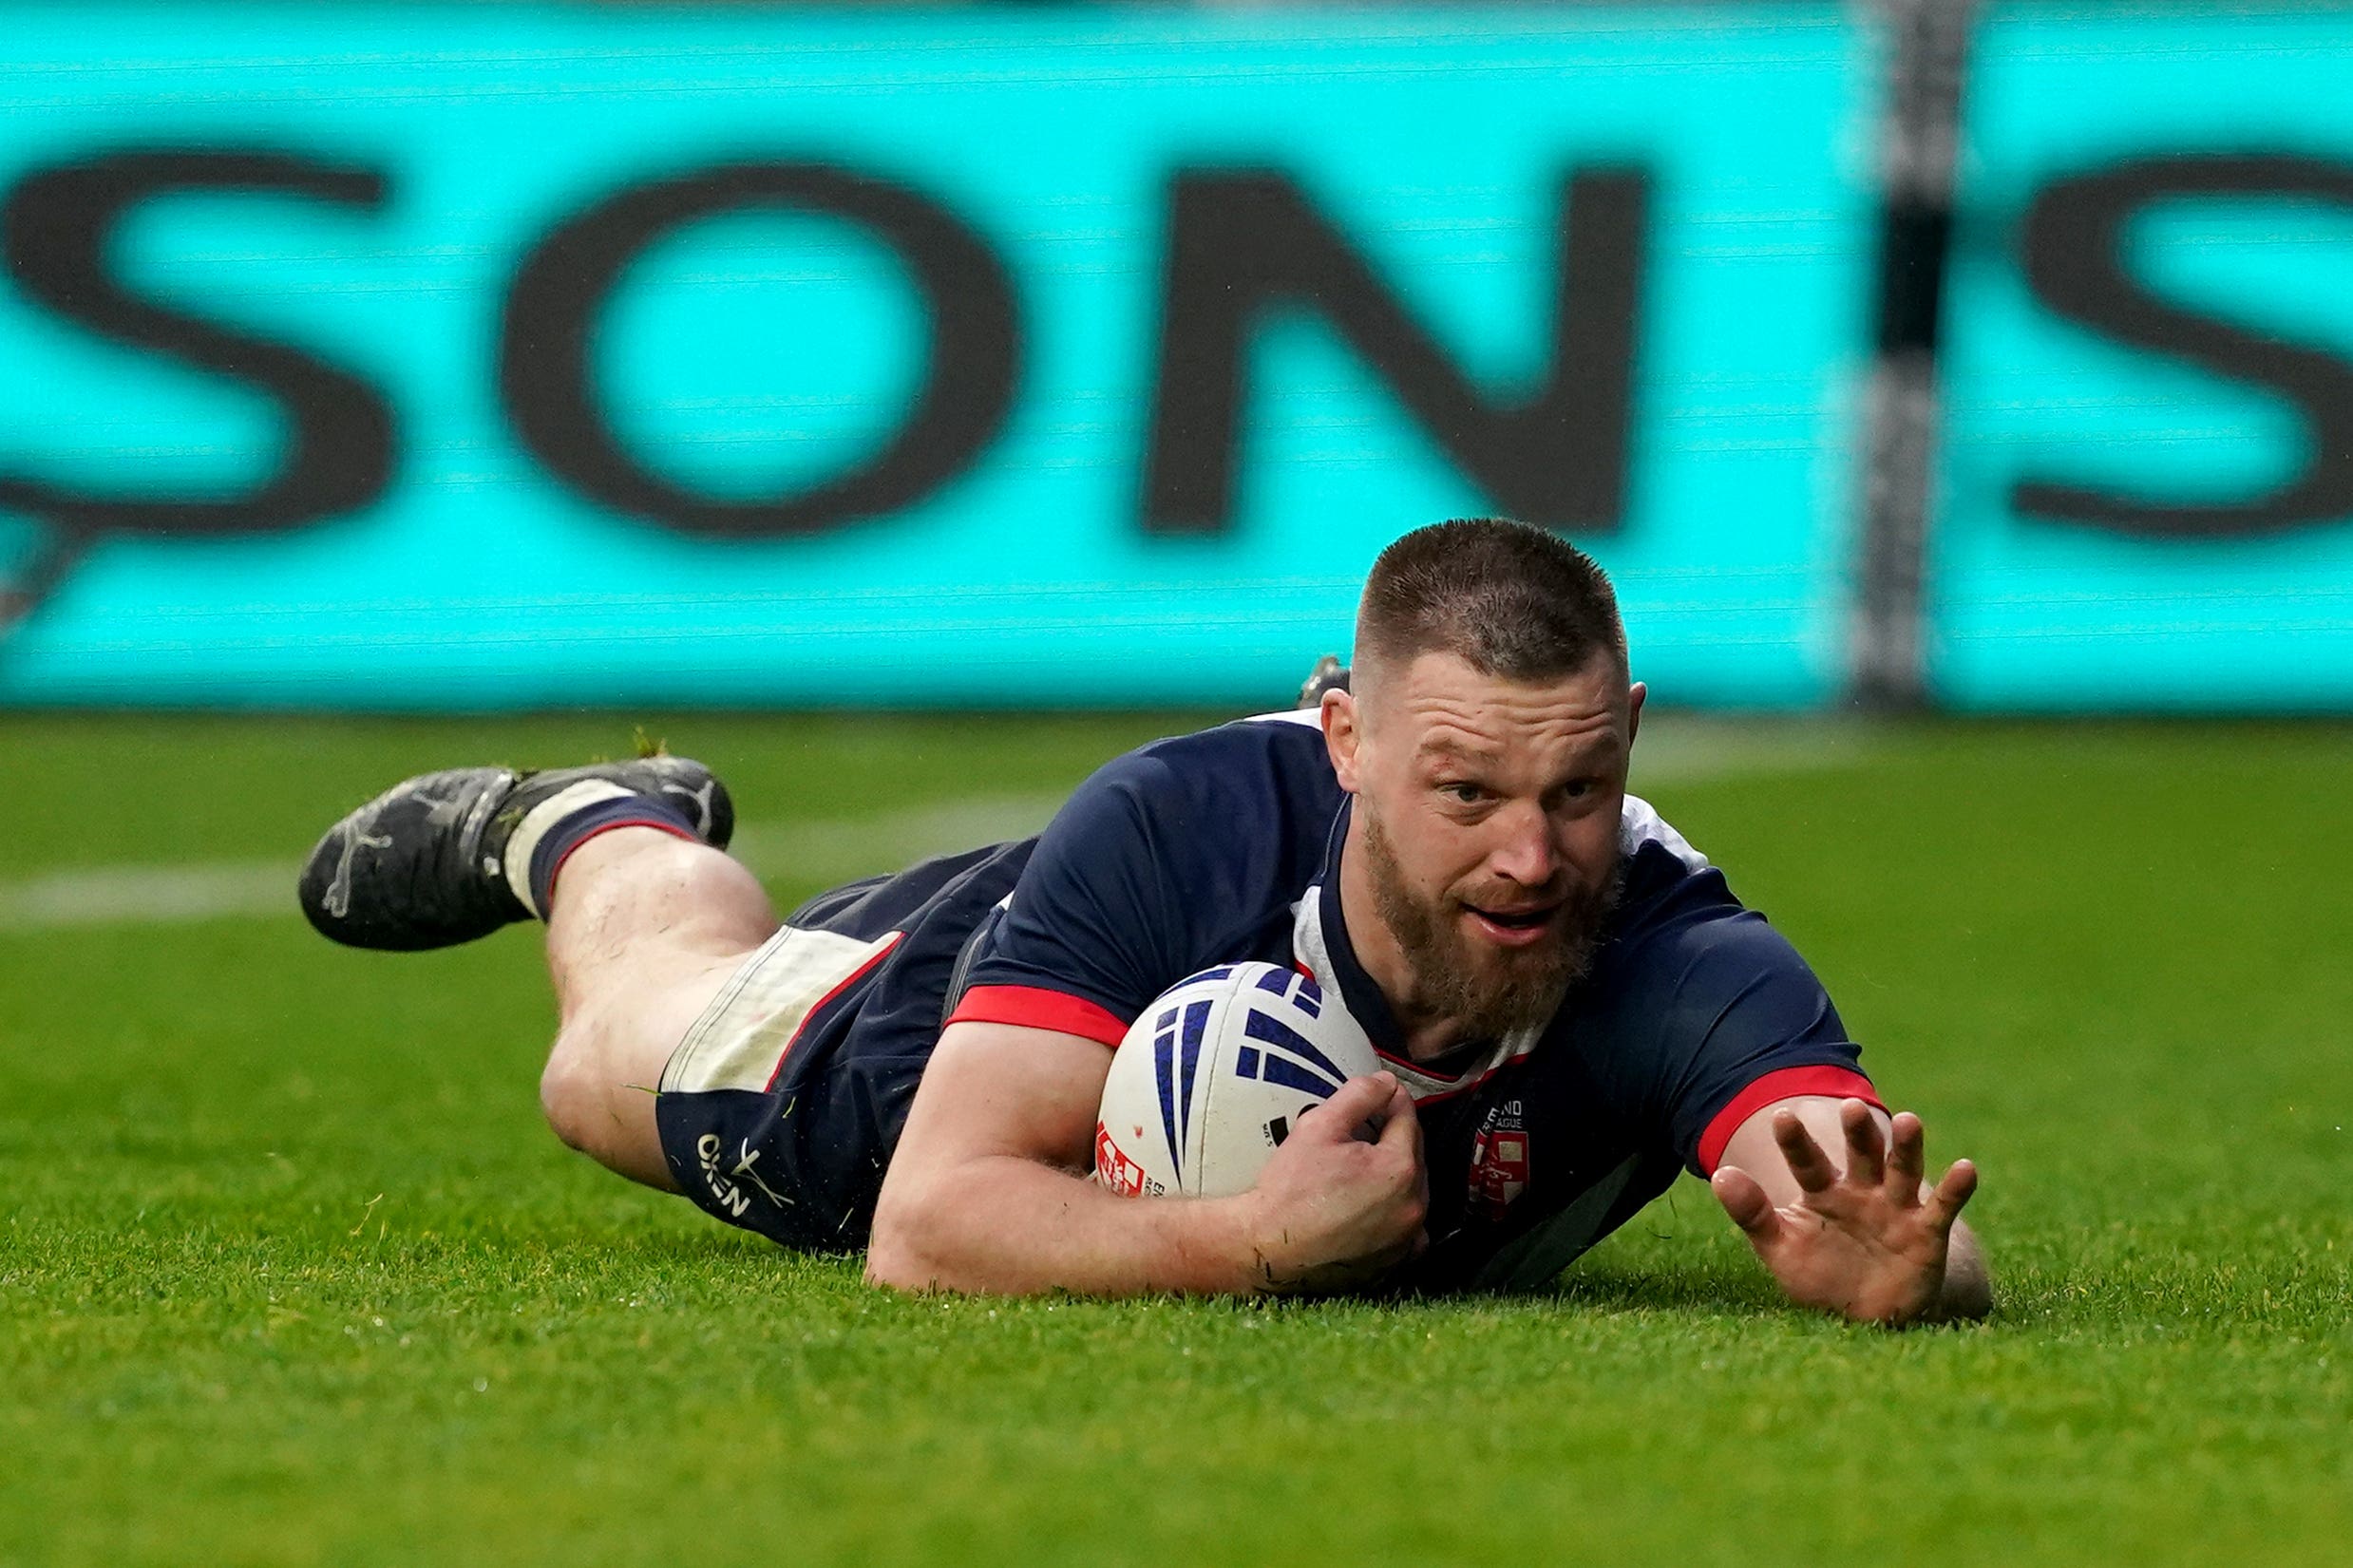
1966	1301
904	1251
1968	1294
893	1264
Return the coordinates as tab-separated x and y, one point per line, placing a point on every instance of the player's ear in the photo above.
1635	693
1342	735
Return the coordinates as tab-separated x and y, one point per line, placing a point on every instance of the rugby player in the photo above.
1572	1003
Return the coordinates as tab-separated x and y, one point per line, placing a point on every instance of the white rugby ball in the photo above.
1215	1073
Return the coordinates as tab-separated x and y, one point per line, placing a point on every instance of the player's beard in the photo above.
1489	992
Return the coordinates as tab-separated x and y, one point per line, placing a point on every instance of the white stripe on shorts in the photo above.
740	1040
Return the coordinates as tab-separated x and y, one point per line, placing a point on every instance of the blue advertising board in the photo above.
475	356
2148	490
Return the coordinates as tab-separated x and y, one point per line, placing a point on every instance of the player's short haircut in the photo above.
1510	601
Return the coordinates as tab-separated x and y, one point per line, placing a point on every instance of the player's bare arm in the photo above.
990	1189
1832	1195
1552	1003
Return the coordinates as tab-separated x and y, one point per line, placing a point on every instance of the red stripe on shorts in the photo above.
890	942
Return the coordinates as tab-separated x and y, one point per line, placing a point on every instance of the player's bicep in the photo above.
1745	1024
994	1090
1097	927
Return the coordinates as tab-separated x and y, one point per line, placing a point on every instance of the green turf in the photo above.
290	1274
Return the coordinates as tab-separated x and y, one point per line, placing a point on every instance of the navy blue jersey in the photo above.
1224	845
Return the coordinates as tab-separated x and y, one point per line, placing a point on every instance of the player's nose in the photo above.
1524	851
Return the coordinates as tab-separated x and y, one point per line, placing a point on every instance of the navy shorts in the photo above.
780	1108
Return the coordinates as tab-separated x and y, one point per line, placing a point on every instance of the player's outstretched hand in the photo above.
1870	1244
1342	1200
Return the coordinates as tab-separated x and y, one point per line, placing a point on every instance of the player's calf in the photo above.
644	925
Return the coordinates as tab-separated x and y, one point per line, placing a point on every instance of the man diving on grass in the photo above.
1570	1006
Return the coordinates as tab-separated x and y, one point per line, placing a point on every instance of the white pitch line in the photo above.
1683	749
827	851
821	852
148	895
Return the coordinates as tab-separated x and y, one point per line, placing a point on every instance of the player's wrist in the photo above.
1272	1250
1221	1245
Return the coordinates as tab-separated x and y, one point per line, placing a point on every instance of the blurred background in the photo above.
496	355
1961	397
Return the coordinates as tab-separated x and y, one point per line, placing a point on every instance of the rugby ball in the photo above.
1211	1078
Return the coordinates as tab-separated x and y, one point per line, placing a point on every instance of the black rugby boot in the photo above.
1328	676
423	864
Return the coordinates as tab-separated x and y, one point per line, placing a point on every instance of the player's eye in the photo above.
1464	792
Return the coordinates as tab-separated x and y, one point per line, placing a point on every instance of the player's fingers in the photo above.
1811	1168
1866	1156
1402	1130
1745	1202
1353	1104
1952	1194
1908	1157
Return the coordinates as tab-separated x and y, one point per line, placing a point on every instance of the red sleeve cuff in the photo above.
1786	1084
1033	1006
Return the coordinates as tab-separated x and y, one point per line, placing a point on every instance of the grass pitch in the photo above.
289	1272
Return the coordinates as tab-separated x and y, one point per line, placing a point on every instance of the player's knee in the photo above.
597	1104
571	1097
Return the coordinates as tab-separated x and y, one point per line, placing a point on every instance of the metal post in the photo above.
1920	131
